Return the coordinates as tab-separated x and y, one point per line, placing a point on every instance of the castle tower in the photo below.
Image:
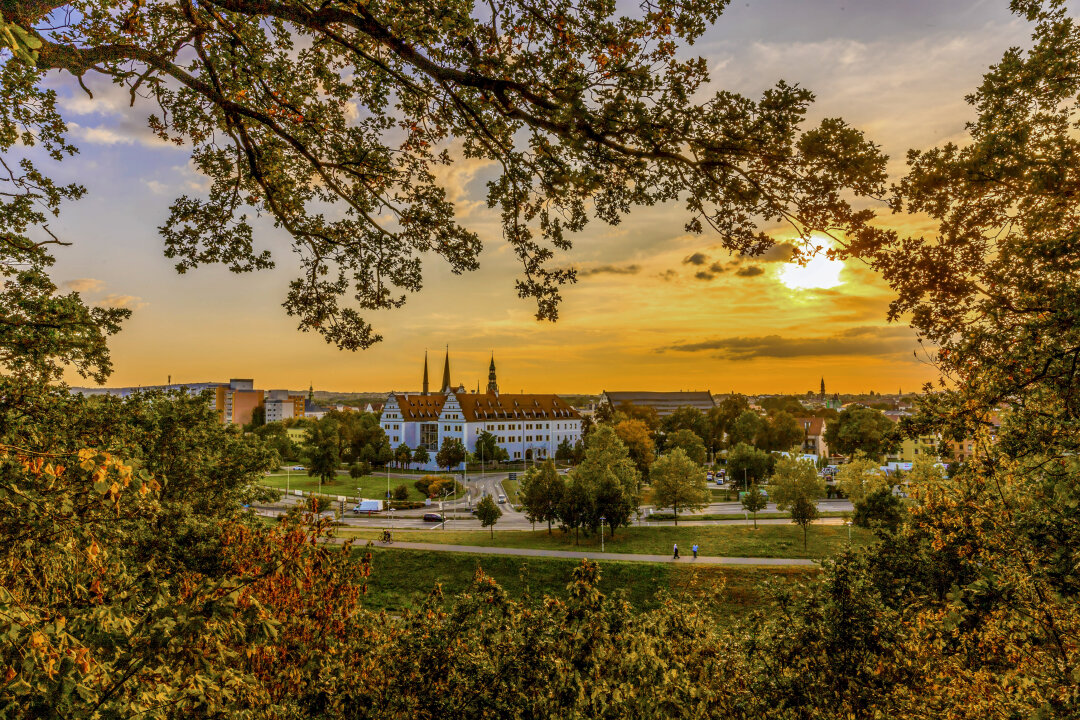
492	386
446	372
425	374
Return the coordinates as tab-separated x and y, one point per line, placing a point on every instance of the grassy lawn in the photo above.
371	486
510	487
402	578
738	516
783	541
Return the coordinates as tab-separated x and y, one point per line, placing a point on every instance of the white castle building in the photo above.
527	426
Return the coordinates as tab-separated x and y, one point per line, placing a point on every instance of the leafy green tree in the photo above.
403	455
577	505
302	133
564	453
421	456
796	488
258	418
640	413
861	430
579	451
401	492
322	450
677	482
686	418
487	447
779	432
687	441
541	492
754	500
861	477
488	513
274	436
359	469
880	509
451	454
745	428
723	417
746	464
637	438
789	404
609	481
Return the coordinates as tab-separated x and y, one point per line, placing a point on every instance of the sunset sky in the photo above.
654	308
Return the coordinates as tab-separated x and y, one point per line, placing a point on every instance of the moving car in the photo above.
433	517
502	499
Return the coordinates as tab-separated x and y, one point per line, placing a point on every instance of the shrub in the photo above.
441	485
401	492
359	469
423	483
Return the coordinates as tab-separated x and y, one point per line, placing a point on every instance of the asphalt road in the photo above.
459	518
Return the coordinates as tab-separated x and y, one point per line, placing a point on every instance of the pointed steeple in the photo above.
823	389
425	373
492	386
311	393
446	372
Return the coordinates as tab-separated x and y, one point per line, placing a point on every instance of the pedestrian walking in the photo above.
695	551
676	555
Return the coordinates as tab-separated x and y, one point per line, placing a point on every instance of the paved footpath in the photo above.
687	559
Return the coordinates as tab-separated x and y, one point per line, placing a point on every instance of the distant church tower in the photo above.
426	389
446	387
493	387
311	393
822	389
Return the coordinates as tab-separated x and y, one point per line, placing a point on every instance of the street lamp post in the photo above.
602	518
441	501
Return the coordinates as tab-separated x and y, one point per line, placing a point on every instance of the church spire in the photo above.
492	387
446	372
425	373
823	389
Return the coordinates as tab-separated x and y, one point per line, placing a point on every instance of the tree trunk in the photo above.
804	538
755	519
492	529
675	507
549	526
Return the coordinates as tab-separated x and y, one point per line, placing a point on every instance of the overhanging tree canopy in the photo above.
333	119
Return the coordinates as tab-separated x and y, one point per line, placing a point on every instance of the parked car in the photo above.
709	476
433	517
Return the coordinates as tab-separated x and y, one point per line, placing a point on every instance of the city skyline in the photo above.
655	308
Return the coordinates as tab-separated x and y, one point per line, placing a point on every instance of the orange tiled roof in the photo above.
483	407
816	425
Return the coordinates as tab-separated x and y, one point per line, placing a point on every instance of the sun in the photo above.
819	273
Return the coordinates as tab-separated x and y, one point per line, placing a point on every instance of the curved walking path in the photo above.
623	557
